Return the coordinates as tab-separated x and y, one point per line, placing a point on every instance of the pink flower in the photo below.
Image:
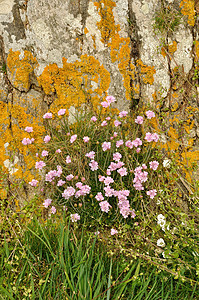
117	123
51	175
44	153
73	138
117	156
113	231
109	192
123	114
105	104
110	99
119	143
105	206
93	165
75	217
138	150
99	197
139	120
61	112
155	137
115	134
108	180
106	146
154	165
53	210
152	193
90	154
47	138
108	118
69	177
29	129
137	142
47	116
39	165
47	202
122	171
150	114
60	182
128	144
101	178
68	159
104	123
149	137
26	141
34	182
58	151
108	172
132	212
86	139
69	192
94	119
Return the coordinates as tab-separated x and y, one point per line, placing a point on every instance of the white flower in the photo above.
166	163
161	243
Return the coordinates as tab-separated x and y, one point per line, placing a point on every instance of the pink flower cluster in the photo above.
74	217
34	182
28	129
140	177
151	137
47	116
50	176
106	146
27	141
109	100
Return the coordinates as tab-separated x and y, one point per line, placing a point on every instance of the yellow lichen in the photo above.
147	72
188	10
21	69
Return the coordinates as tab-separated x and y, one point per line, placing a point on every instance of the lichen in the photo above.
188	10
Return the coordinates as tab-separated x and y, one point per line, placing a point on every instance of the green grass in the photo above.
55	262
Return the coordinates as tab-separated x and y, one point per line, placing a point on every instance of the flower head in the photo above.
139	120
152	193
123	114
47	138
75	217
154	165
44	153
53	210
39	165
34	182
150	114
73	138
86	139
47	203
61	112
161	243
47	116
113	231
29	129
94	119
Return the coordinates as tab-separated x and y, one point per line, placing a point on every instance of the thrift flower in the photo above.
47	138
47	116
68	159
122	171
58	151
47	202
154	165
104	123
94	119
119	143
44	153
139	120
69	177
113	231
117	156
123	114
69	192
117	123
86	139
90	154
93	165
106	146
150	114
73	138
61	112
105	104
105	206
39	165
74	217
152	193
53	210
34	182
110	99
99	197
29	129
60	182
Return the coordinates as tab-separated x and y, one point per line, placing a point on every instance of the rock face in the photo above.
55	52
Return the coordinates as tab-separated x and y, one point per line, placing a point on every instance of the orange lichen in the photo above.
21	69
147	72
85	30
72	83
197	49
171	48
188	10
